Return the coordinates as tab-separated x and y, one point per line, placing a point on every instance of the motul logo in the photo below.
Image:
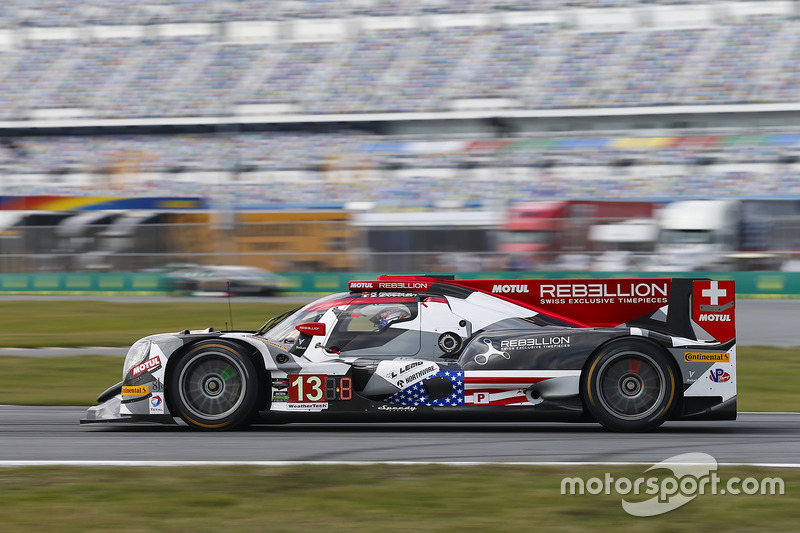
505	289
706	317
150	364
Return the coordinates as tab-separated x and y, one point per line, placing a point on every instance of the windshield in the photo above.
283	327
275	320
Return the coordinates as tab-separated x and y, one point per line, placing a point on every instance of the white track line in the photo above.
14	464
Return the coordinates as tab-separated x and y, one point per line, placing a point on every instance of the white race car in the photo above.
627	353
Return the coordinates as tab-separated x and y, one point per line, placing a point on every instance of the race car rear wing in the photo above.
700	309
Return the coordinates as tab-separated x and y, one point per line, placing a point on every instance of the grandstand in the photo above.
399	104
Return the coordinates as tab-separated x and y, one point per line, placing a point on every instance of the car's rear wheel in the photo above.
630	385
214	386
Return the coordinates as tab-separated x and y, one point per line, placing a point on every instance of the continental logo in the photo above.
142	390
706	357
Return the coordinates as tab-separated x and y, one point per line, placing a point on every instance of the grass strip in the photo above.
57	380
36	324
352	499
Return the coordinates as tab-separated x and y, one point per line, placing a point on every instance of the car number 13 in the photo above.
319	388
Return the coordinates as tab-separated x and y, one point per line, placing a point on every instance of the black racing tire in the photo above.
214	386
630	385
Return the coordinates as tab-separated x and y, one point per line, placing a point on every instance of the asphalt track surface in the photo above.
41	435
45	435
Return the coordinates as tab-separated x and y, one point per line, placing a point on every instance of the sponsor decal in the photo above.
399	408
397	285
418	375
717	375
514	289
280	396
280	383
534	342
404	372
408	286
483	358
652	292
150	365
312	328
313	406
156	405
406	368
708	317
481	398
141	390
706	357
713	308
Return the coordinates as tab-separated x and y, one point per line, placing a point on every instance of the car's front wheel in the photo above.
214	386
630	385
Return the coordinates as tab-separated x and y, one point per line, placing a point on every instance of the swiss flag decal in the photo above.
713	308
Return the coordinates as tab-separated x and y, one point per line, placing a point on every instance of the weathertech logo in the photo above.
706	357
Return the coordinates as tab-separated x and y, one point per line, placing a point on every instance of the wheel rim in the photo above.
212	385
631	385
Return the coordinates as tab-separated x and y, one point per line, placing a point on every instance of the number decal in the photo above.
303	389
346	389
319	388
316	393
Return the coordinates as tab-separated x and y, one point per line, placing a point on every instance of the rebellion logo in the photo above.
399	285
604	290
541	342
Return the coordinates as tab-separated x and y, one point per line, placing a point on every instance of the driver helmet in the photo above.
391	315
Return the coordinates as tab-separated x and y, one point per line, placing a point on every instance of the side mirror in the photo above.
312	328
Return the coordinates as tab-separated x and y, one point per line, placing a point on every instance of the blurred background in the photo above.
200	142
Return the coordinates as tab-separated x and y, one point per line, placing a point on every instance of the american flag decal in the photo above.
497	388
417	394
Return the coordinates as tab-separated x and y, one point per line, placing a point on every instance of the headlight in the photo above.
138	353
